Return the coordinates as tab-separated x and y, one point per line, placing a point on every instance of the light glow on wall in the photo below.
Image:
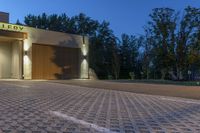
26	60
84	50
84	62
26	45
27	67
84	69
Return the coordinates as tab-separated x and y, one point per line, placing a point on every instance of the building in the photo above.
31	53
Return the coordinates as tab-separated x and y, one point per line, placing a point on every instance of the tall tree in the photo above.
163	27
84	25
128	52
186	36
104	51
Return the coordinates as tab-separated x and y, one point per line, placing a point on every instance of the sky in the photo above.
125	16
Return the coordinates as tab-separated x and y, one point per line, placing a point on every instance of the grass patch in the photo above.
168	82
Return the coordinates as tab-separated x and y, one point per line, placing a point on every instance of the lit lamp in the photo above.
84	63
26	59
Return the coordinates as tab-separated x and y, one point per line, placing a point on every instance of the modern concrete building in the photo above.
31	53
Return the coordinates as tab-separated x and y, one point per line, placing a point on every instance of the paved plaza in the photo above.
43	107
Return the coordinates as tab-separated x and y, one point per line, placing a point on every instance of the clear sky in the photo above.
125	16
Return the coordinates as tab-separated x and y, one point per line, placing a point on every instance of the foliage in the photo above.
174	42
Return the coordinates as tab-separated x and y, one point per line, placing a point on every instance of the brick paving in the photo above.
26	106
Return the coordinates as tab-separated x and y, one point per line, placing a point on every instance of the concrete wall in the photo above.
5	60
46	37
10	60
53	38
16	64
56	39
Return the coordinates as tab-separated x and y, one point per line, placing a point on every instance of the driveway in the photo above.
191	92
43	107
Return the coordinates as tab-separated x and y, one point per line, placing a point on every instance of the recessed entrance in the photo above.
10	58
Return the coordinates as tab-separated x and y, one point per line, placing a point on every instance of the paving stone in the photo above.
26	110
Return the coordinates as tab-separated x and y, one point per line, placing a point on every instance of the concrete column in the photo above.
16	60
5	59
84	72
27	59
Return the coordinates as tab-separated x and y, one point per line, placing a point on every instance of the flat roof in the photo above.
46	30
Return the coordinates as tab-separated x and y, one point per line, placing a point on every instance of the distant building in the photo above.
31	53
4	17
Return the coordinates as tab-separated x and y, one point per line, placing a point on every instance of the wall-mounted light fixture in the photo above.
25	52
84	57
84	63
84	48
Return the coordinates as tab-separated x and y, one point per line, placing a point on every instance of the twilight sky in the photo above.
125	16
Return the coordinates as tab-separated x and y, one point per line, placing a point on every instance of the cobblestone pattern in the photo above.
26	110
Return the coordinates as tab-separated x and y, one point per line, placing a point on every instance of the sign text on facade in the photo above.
11	27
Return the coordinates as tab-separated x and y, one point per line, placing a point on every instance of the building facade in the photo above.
31	53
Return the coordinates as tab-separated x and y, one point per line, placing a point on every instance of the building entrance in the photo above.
10	59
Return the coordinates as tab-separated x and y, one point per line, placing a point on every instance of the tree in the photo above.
103	55
84	25
186	40
147	43
193	58
163	27
18	22
128	53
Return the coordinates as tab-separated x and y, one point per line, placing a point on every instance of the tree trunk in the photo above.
174	77
147	73
163	72
179	74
